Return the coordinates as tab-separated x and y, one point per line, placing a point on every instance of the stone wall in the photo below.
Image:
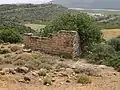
61	43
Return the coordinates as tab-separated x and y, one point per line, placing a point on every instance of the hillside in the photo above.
29	12
91	4
29	71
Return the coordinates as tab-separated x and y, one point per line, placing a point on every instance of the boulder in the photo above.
27	50
6	70
22	69
2	73
26	78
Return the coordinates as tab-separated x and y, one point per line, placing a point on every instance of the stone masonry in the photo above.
62	42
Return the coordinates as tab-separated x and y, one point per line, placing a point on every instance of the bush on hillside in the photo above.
9	36
101	54
115	43
115	62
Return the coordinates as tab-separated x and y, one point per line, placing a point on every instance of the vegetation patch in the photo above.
83	79
47	81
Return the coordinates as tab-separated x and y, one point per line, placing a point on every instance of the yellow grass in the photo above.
111	33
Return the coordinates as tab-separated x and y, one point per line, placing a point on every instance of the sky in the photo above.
23	1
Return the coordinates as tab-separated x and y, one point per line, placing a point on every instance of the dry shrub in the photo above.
19	62
1	60
4	51
22	59
47	81
88	69
48	61
2	46
62	65
15	48
24	56
7	55
32	65
7	61
42	72
83	79
45	66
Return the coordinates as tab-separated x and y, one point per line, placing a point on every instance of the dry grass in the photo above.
15	48
111	33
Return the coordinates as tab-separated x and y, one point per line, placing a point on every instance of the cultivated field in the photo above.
111	33
35	26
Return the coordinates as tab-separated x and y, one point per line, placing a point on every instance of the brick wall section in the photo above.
62	42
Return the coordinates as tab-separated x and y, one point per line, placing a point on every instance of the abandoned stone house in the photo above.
62	42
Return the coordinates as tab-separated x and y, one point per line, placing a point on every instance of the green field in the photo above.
35	26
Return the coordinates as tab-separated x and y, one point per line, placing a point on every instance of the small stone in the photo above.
47	84
53	80
61	83
2	73
102	66
53	75
6	70
40	79
22	69
27	79
11	70
64	74
27	50
34	74
21	80
68	81
115	74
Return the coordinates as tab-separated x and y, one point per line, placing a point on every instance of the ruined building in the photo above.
64	42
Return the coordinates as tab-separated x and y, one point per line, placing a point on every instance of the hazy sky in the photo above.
22	1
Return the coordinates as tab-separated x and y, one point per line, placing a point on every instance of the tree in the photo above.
10	36
82	23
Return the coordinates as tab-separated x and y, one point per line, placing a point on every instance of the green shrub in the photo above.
42	72
83	79
115	43
115	62
101	54
105	54
10	36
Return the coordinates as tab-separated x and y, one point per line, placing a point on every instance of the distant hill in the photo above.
91	4
30	12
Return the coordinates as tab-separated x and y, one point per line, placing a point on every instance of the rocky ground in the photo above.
36	71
